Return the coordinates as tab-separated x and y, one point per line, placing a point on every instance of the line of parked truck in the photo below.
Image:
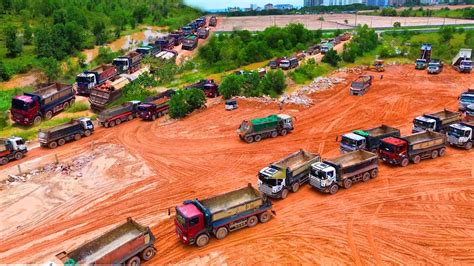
462	62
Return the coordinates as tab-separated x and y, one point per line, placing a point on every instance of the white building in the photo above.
310	3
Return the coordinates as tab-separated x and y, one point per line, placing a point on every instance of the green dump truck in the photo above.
270	126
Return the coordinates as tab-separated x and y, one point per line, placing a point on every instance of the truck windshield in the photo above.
319	174
466	63
349	141
386	147
19	105
423	124
84	79
357	85
244	126
467	98
455	132
420	61
433	65
270	182
143	50
20	142
181	220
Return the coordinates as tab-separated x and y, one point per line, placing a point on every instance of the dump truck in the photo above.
116	115
438	122
95	77
368	140
208	86
461	135
127	244
12	148
46	101
378	66
201	22
425	56
462	62
148	50
290	63
203	33
469	116
106	93
196	220
190	42
343	171
422	145
156	106
326	47
466	98
315	49
435	66
274	64
213	21
345	36
187	30
59	135
361	85
288	174
270	126
128	63
165	42
177	37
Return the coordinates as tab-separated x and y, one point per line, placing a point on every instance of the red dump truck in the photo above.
155	107
116	115
361	85
128	244
12	148
95	77
196	220
128	63
44	102
106	93
208	86
422	145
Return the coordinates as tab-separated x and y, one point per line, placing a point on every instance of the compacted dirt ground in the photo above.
419	214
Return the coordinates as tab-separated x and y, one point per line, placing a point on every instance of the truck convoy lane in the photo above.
288	174
44	102
196	220
361	85
270	126
95	77
327	176
438	122
12	148
59	135
461	135
368	140
402	150
116	115
462	62
127	244
425	56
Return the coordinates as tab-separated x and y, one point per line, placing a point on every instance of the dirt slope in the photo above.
422	213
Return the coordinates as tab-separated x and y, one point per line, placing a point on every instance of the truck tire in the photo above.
148	253
112	123
405	162
295	187
284	193
374	173
252	221
4	161
264	217
66	106
416	159
87	133
130	117
77	137
118	121
71	102
222	232
134	261
274	134
434	154
37	120
18	155
347	183
53	145
333	189
366	177
468	146
283	132
202	240
61	142
442	152
153	117
257	138
248	139
48	115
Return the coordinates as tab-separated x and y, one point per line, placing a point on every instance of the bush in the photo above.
78	107
230	86
185	102
274	83
5	74
332	58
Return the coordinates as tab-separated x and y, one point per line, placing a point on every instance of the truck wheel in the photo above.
374	173
37	120
283	132
71	102
202	240
66	106
252	221
333	189
274	134
112	123
130	117
249	139
442	152
284	193
416	159
258	138
61	142
53	145
405	162
3	161
366	177
77	137
222	232
264	217
295	187
134	261
87	133
148	253
18	155
118	121
48	115
434	154
347	183
468	146
153	117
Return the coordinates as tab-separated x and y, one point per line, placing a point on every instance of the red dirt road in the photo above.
418	214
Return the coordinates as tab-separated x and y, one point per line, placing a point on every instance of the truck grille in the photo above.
452	139
265	189
315	182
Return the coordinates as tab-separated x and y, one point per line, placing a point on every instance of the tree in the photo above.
446	33
43	42
397	24
250	84
346	21
27	34
195	98
99	32
274	83
51	68
332	58
230	86
13	44
4	73
178	105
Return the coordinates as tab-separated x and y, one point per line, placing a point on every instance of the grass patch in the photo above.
78	107
309	71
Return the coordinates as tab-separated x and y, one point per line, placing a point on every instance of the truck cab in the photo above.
466	99
86	123
352	142
461	135
121	63
470	113
272	180
187	30
189	222
422	123
420	63
435	66
322	175
12	148
85	82
393	150
231	105
25	109
465	66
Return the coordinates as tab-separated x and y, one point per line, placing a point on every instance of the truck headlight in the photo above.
185	238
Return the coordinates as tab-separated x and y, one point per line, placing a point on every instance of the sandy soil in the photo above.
335	21
422	213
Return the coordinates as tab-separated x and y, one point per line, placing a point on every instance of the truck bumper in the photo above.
457	144
390	161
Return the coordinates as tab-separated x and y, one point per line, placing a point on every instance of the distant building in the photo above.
380	3
397	2
233	9
247	9
283	6
310	3
429	2
253	6
268	6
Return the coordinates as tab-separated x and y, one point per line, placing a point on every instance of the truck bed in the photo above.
445	114
352	158
60	127
296	160
382	130
47	90
233	199
422	137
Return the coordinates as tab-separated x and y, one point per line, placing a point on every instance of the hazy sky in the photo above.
220	4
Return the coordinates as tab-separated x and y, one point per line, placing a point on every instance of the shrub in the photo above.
230	86
185	102
78	107
274	83
332	58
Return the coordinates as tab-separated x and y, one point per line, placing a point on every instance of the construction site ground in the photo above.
419	214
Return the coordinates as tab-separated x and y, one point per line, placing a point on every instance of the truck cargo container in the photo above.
43	103
148	50
126	244
196	220
95	77
164	42
190	42
128	63
12	148
425	56
438	121
203	33
327	176
202	21
466	98
422	145
177	37
345	36
167	55
315	49
59	135
208	86
288	174
106	93
368	140
291	63
361	85
435	66
116	115
135	75
461	135
187	30
213	21
155	107
462	62
270	126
